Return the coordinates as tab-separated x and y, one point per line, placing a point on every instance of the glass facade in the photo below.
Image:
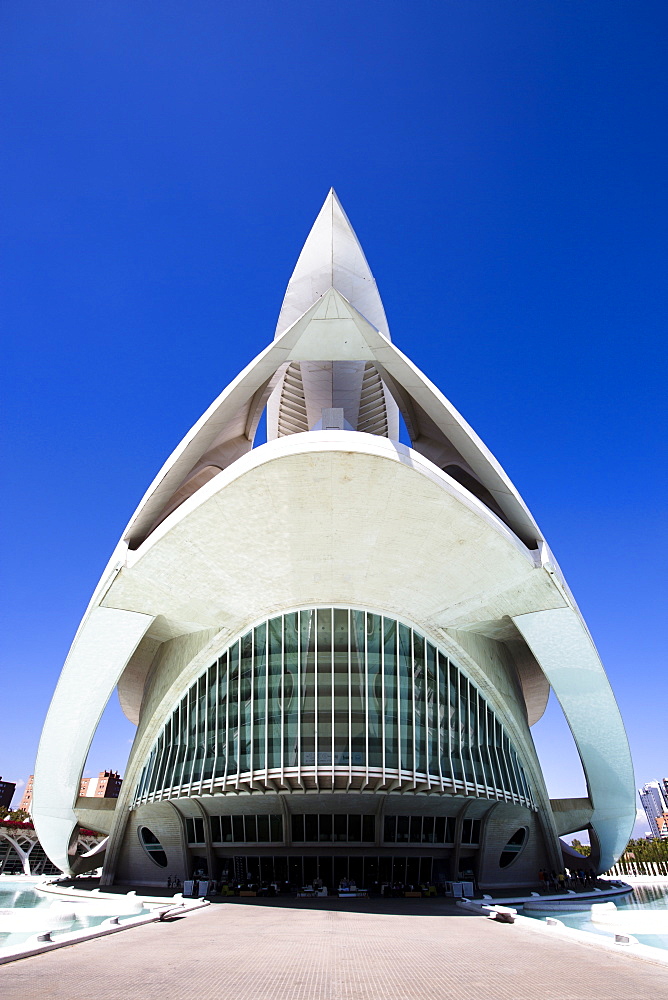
333	698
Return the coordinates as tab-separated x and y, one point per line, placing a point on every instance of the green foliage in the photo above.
646	850
15	815
583	849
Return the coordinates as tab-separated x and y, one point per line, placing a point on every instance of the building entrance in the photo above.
295	871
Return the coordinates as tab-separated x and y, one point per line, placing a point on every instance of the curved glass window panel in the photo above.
333	698
152	846
514	847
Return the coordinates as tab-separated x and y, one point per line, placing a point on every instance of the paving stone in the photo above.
331	951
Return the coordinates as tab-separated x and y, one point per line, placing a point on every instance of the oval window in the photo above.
513	847
152	846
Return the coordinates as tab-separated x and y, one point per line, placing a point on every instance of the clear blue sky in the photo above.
504	163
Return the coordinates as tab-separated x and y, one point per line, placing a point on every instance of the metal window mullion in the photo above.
490	747
498	760
196	735
216	724
205	739
157	776
251	761
438	718
516	771
471	733
449	723
169	750
350	698
366	694
238	777
227	716
299	697
149	778
186	732
266	702
316	663
459	731
282	757
505	760
512	755
397	657
427	737
413	700
482	729
331	645
382	694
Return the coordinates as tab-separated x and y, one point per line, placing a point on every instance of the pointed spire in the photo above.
332	258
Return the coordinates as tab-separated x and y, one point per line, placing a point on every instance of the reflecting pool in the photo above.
25	912
642	914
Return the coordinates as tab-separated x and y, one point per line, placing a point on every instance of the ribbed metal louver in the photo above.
292	418
373	412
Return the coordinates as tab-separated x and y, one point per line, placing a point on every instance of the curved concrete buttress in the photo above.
562	645
95	662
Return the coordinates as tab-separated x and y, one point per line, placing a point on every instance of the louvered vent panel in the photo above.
292	417
373	415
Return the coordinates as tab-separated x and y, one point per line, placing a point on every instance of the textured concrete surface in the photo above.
344	951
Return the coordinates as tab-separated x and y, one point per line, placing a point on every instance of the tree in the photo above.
583	849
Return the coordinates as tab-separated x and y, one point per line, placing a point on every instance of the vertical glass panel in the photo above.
275	660
374	640
390	829
222	717
215	829
427	829
432	717
263	829
259	696
420	706
290	688
455	724
297	828
368	829
311	827
250	829
340	827
307	641
390	684
465	734
403	823
416	829
439	830
325	826
450	830
444	717
340	639
324	641
276	829
406	698
233	710
354	828
238	829
226	828
211	705
358	693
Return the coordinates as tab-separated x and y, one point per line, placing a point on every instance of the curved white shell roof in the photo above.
437	532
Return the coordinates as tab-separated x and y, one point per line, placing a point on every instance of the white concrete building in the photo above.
333	645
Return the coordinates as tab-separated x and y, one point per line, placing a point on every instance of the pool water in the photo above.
25	912
645	899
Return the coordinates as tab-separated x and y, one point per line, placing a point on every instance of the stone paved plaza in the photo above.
349	951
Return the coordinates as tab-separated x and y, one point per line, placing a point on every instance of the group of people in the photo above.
554	881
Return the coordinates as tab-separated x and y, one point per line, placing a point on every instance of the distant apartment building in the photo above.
107	785
654	804
7	789
26	801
